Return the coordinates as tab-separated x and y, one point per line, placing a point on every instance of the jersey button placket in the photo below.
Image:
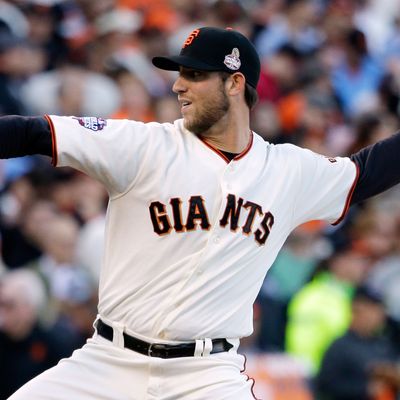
228	176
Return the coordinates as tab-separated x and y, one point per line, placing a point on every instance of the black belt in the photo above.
159	349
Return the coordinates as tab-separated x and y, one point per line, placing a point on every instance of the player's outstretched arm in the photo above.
21	136
379	166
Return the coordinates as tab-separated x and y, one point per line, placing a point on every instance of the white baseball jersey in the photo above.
190	235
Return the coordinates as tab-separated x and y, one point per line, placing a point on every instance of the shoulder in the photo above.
285	152
169	129
98	125
278	149
115	130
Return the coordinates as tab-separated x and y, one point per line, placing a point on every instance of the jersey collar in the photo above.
238	157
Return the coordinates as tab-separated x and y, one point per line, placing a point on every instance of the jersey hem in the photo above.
349	196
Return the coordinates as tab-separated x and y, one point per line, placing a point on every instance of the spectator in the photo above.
321	310
357	77
72	90
26	348
64	278
290	272
347	366
15	201
135	99
18	61
295	26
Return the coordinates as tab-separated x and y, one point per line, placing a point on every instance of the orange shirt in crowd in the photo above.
157	13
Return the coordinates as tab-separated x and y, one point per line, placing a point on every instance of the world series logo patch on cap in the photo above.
232	61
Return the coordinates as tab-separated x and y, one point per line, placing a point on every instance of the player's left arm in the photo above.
379	168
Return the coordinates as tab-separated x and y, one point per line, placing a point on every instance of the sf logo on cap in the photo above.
191	37
232	61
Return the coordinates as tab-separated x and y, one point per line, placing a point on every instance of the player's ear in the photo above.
236	83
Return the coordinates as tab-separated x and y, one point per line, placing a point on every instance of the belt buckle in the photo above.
155	350
150	350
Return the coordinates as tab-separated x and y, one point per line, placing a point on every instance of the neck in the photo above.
231	133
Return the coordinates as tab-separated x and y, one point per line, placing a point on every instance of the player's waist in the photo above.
198	348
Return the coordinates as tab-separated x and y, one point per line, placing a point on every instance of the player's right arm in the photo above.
117	153
21	136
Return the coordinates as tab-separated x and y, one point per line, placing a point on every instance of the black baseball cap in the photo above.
216	49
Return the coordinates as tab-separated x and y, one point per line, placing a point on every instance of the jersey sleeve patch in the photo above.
94	124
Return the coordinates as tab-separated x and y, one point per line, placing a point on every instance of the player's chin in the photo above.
187	125
186	114
196	128
187	122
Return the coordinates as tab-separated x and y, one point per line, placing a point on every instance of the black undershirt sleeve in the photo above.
22	136
379	167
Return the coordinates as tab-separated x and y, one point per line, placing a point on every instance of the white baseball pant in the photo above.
102	370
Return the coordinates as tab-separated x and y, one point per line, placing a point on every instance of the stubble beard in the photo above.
209	115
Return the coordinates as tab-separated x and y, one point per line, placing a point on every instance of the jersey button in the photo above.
217	239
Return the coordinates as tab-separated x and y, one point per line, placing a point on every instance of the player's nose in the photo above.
179	85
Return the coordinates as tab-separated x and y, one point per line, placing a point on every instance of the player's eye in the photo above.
194	75
198	74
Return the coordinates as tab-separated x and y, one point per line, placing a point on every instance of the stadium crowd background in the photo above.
330	82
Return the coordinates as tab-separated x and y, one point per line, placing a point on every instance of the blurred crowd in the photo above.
330	81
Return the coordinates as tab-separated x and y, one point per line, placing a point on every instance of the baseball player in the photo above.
198	210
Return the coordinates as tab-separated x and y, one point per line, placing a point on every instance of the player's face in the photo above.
202	97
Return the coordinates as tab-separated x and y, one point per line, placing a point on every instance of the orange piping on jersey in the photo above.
349	196
247	149
215	150
222	155
53	141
